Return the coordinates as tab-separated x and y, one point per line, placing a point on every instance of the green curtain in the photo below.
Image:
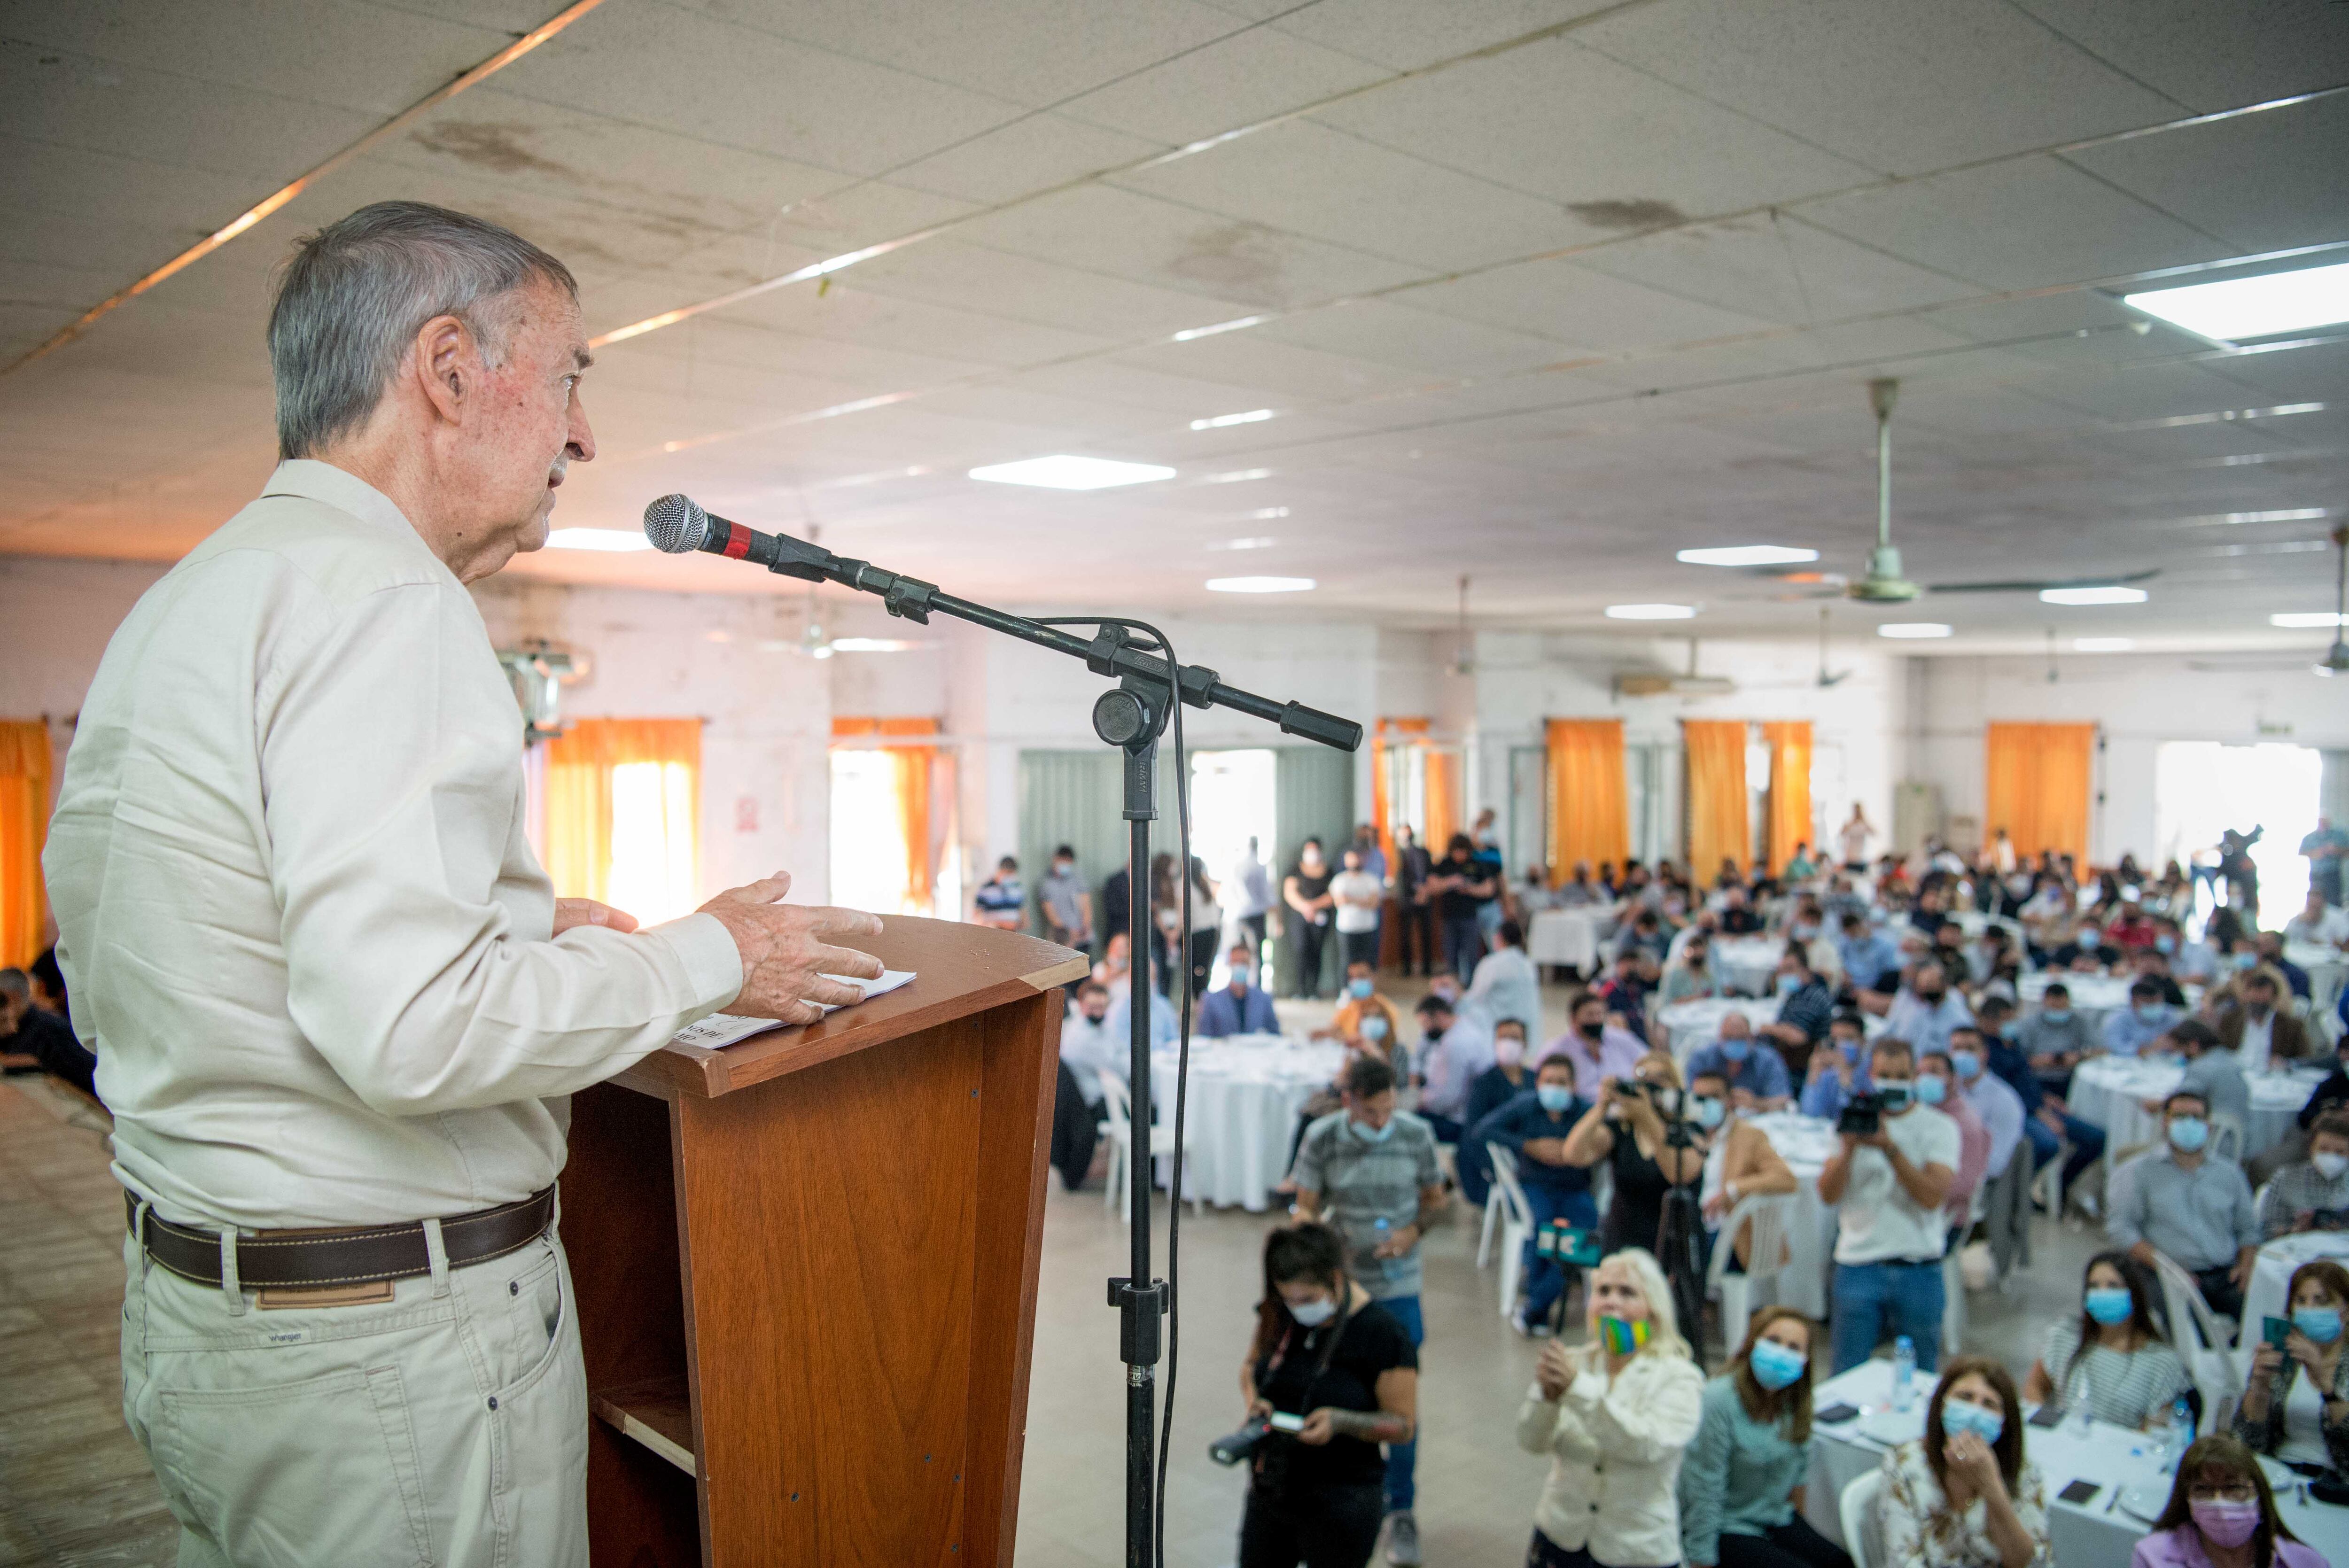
1076	798
1313	797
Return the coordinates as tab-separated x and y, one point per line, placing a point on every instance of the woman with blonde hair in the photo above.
1613	1414
1740	1486
1627	1128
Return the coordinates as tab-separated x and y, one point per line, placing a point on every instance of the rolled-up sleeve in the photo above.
390	805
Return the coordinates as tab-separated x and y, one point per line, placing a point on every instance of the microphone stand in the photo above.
1130	715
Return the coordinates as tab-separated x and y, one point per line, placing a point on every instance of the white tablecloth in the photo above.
1569	936
1805	1143
1246	1092
2100	1533
2272	1273
1748	965
2326	968
2094	997
1685	1026
2107	1091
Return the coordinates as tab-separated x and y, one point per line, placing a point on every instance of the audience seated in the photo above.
41	1038
2086	954
1739	1162
1625	1128
1534	1128
2211	1071
1505	1080
1887	1189
1091	1045
1937	1085
1453	1048
1690	976
2253	1024
1922	1012
1595	1044
1971	1453
2114	1355
2176	1201
1744	1471
1993	1098
2269	945
2313	1194
2129	1030
2221	1510
1751	1069
2295	1403
1870	958
1363	1015
2318	923
1236	1007
1805	1007
1838	1069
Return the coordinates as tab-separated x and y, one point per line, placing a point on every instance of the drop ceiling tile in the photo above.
957	275
1121	234
1309	178
2211	53
1281	371
1774	266
2265	182
1643	152
1577	306
1904	86
848	314
1408	36
1236	82
1028	155
2024	224
2138	392
1421	340
2320	371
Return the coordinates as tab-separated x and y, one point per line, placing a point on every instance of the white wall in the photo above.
2140	700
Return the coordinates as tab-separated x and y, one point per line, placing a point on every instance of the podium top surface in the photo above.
959	970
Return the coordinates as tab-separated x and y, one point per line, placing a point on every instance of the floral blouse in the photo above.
1921	1531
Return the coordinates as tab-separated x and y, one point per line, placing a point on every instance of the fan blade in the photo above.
2109	580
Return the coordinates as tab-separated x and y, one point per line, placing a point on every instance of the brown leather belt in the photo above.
286	1260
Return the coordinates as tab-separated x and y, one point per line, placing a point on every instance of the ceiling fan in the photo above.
2335	661
1826	679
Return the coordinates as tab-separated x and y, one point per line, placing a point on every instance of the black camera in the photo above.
1236	1447
1863	1116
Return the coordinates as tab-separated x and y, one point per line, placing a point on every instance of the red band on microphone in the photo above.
738	540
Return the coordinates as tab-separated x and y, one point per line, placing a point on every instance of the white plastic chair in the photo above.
1859	1510
1517	1223
1119	1108
2047	1190
2227	1140
2201	1337
1770	1214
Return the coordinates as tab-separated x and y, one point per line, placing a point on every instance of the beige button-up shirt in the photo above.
301	924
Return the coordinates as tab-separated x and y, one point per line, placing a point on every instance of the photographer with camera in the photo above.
1630	1128
1887	1183
1329	1375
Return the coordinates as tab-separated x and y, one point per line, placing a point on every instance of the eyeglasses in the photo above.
2233	1491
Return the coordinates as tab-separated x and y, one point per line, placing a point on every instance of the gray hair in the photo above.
353	295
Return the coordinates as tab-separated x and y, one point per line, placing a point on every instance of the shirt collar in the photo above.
340	489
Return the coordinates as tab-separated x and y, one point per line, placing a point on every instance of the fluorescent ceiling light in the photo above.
1244	545
1913	629
1650	612
2261	307
2109	594
2103	645
1237	476
1259	585
1267	514
2287	514
2308	618
1062	471
597	539
1749	555
873	646
1191	334
1220	421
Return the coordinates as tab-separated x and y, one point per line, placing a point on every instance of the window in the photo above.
651	873
868	841
2201	788
618	801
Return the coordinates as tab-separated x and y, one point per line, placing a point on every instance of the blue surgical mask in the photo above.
1737	1051
1789	984
1312	1314
1374	1027
2057	1016
1805	931
1708	1112
1372	1134
2188	1134
1957	1417
2110	1304
1774	1367
2320	1323
1358	987
1931	1090
2149	1012
1965	1064
1554	1097
2165	944
1850	1049
2247	961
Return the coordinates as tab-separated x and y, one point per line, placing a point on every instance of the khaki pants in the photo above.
448	1426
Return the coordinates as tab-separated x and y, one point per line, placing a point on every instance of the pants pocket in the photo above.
320	1470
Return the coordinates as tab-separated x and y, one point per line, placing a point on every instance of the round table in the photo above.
1244	1094
1687	1024
1805	1143
2095	997
1570	936
1748	965
2272	1273
2326	967
2106	1092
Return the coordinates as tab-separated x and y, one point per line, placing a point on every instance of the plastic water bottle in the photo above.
2179	1436
1904	1373
1385	1230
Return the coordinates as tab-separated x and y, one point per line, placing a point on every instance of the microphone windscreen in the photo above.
675	524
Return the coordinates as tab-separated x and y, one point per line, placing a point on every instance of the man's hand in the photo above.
784	959
570	911
1398	1243
2245	1260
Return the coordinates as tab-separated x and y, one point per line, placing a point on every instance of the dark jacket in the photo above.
1523	1118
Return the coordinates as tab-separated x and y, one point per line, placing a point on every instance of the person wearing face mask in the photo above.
1922	1012
2313	1194
1089	1047
1887	1189
1597	1049
2151	963
1752	1455
2258	1028
1505	984
1746	1063
1236	1007
1372	1171
1364	1016
2087	952
1869	955
1534	1128
2113	1355
1305	892
1359	895
1461	887
1613	1415
1971	1454
2269	946
1509	1077
2295	1403
2053	1037
1454	1046
1325	1351
2211	1071
2192	961
1066	903
1625	1128
1837	1070
1805	1006
2223	1514
2129	1030
1993	1099
1937	1088
2176	1202
1739	1162
1689	976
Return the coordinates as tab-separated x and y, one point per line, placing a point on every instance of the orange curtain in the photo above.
2039	785
1790	788
1589	804
914	763
1404	732
1719	824
579	764
1443	790
23	828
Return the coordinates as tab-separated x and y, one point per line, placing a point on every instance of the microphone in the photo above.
676	524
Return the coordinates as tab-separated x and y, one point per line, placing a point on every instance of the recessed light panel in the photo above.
1749	555
1259	585
1650	612
1062	471
1913	629
597	539
2236	309
1256	544
1220	421
2103	645
2109	594
2301	618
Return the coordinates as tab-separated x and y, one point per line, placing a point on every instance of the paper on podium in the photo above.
725	1030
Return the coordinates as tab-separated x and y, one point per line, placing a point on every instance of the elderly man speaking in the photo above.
336	1007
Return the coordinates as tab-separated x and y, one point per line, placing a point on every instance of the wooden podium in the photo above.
805	1272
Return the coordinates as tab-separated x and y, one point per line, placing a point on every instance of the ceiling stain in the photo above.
495	147
1632	212
1233	257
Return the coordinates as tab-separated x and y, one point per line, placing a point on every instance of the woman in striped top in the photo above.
2113	1355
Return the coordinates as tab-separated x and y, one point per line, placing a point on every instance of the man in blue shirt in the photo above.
2144	1020
1750	1067
1869	955
1805	1006
1238	1008
1838	1068
1925	1010
1532	1128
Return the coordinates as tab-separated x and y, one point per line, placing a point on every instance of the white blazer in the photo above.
1616	1455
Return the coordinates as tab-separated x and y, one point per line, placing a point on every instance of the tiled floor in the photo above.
74	1488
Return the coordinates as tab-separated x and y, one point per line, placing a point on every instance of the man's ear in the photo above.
447	364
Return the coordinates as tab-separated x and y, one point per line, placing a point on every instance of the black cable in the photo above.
1182	1057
